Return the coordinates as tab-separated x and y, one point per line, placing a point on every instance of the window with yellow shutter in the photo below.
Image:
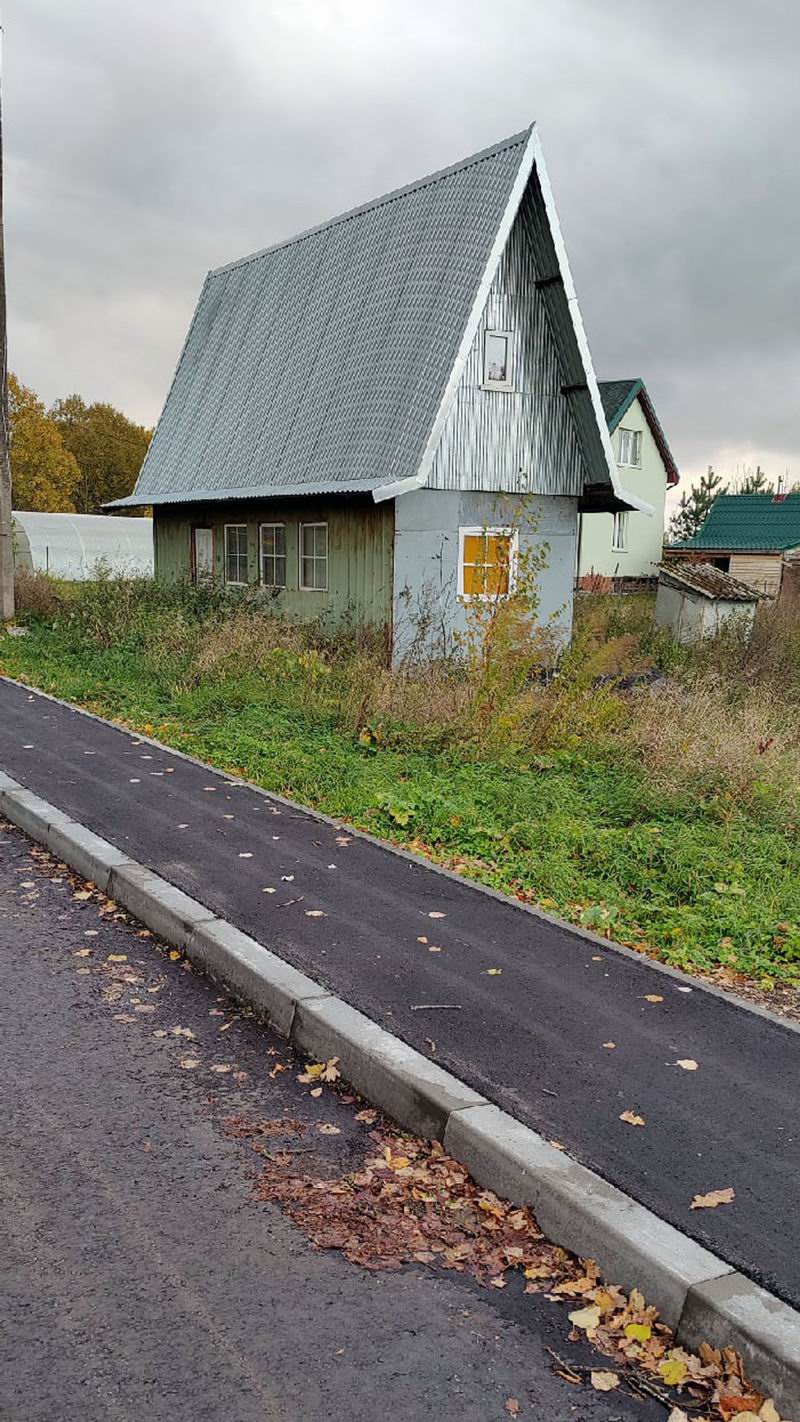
487	562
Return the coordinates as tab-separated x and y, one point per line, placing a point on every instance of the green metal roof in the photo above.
617	397
750	522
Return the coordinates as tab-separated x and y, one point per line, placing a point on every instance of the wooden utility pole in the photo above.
6	530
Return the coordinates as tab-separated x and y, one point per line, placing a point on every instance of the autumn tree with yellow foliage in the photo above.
44	475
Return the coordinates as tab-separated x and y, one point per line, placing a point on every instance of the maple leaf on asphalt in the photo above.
712	1199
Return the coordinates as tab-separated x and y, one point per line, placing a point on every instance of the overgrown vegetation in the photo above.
649	792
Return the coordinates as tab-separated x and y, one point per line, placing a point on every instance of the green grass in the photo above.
702	880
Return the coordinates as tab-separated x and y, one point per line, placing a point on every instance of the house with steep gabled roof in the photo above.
625	544
359	413
747	536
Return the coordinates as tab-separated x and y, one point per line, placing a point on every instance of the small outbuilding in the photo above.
71	546
696	600
746	535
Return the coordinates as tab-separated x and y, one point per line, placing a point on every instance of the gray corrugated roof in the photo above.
709	581
320	363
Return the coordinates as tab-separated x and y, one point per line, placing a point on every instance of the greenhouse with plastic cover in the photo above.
76	546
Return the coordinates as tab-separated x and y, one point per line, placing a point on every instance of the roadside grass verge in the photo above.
665	816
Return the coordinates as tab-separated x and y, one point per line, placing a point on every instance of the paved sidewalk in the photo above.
531	1038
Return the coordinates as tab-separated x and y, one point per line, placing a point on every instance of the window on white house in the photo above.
487	562
236	553
314	557
273	555
619	535
497	360
630	447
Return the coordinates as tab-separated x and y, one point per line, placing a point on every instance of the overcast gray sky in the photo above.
148	140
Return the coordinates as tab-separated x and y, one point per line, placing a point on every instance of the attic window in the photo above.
630	448
487	562
497	360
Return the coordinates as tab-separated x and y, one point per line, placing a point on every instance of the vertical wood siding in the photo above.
360	551
523	440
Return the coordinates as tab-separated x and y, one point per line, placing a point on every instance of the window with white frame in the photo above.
487	562
273	555
619	533
630	447
314	557
236	553
497	360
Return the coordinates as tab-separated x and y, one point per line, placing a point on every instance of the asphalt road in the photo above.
140	1279
533	1038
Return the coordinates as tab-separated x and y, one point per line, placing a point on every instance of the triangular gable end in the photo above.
553	430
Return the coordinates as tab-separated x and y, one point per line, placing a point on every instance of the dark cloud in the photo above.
149	141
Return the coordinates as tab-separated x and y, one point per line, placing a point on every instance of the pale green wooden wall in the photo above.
360	550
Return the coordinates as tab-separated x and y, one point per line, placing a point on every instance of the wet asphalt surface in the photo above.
533	1037
140	1279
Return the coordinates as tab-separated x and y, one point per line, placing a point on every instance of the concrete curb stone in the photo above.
765	1330
169	912
581	1210
252	973
401	1081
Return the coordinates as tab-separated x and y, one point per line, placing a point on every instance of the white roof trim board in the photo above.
331	360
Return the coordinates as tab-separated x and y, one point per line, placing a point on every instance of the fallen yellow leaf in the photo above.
117	958
494	972
631	1118
769	1412
687	1064
638	1331
653	997
678	1415
326	1129
604	1381
174	955
712	1199
673	1371
538	1271
586	1318
82	953
610	1045
584	1285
